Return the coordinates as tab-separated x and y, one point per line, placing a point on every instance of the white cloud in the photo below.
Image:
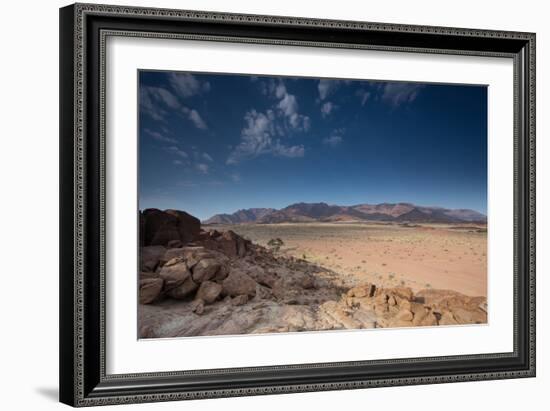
202	167
255	136
288	151
397	94
363	95
161	136
335	137
207	157
258	137
177	151
327	108
187	85
332	141
155	100
288	104
280	90
327	87
236	177
195	118
264	132
177	162
150	103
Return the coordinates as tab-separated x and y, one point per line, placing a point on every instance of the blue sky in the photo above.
216	143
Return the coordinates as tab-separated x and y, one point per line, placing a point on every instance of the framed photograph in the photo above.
261	204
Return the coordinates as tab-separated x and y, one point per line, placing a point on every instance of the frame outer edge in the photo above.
67	332
532	202
72	138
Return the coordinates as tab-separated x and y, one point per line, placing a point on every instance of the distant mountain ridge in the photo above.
250	215
310	212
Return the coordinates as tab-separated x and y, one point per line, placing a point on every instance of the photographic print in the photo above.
273	204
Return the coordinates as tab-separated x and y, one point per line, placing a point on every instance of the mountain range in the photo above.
310	212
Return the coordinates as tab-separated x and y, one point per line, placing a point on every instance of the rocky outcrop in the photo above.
167	228
209	291
150	257
149	290
238	283
215	283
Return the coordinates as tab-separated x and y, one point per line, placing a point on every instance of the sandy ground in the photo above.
425	256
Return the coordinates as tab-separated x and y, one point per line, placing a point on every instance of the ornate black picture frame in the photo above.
83	31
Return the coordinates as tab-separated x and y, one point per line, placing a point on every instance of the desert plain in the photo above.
419	256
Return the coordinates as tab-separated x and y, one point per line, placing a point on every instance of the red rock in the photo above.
208	292
361	291
205	269
150	257
239	300
183	290
163	227
150	290
238	283
174	273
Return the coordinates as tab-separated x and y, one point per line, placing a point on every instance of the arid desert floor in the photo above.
288	277
441	256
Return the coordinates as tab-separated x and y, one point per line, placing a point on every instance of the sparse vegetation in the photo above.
275	244
362	252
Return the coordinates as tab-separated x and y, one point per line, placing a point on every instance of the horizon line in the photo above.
337	205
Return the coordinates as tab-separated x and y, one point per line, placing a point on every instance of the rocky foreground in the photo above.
197	282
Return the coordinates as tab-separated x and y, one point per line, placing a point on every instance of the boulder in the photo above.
150	290
183	290
222	274
159	227
141	230
148	274
179	252
209	292
361	291
419	312
197	306
381	298
428	321
463	316
261	276
174	244
239	300
238	283
435	296
174	273
230	243
165	234
150	257
447	318
395	323
188	226
367	318
205	269
401	293
404	315
338	317
164	227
